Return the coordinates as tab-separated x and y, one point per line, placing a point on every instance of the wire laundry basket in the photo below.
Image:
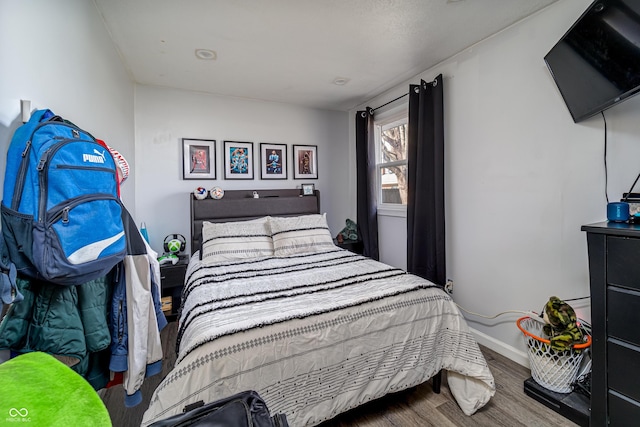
552	369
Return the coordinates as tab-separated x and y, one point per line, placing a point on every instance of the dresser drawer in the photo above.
623	365
623	262
623	314
623	412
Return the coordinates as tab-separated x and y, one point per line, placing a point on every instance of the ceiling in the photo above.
292	51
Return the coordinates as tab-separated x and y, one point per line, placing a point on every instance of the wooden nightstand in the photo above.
171	284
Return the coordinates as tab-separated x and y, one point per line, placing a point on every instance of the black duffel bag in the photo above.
245	409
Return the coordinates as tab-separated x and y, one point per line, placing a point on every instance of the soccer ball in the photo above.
200	193
174	246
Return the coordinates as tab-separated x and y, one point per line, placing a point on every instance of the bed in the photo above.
271	305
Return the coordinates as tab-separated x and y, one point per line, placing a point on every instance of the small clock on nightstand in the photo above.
171	284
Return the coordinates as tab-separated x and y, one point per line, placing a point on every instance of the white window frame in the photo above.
388	118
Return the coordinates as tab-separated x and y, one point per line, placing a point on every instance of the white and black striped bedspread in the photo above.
233	297
315	336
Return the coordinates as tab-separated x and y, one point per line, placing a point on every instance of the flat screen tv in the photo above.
596	64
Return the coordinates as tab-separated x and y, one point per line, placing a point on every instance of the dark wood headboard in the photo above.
239	205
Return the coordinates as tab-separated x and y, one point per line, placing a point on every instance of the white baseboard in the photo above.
512	353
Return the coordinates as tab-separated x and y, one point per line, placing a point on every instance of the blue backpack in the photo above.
61	215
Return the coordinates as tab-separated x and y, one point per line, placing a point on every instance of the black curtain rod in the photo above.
393	100
433	82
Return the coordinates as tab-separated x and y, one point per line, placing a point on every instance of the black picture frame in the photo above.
198	158
308	189
238	160
305	162
273	161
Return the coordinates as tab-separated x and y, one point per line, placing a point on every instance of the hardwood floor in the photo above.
419	406
509	407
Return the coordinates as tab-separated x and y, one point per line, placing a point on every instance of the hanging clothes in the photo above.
68	322
110	324
136	315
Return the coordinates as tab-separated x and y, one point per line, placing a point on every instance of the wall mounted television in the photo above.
596	64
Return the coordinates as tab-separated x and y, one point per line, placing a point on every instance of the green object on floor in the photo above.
38	390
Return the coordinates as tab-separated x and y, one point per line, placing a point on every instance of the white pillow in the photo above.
230	241
300	234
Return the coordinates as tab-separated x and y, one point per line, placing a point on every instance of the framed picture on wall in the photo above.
198	158
273	161
305	162
238	160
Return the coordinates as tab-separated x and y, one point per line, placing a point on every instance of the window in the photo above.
391	160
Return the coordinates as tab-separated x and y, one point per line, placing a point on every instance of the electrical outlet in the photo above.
448	287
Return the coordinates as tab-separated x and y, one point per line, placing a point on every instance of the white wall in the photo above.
59	56
392	238
165	116
521	177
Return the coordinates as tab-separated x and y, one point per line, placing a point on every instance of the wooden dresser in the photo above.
614	270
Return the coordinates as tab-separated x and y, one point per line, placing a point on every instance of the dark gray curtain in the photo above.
425	169
367	216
